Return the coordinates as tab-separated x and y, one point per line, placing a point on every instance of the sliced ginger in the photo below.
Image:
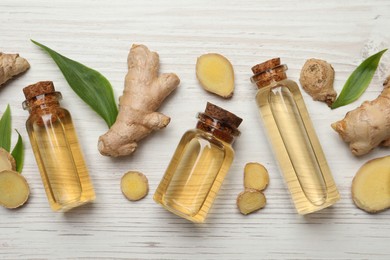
134	185
216	75
14	190
250	200
371	185
255	176
7	161
256	180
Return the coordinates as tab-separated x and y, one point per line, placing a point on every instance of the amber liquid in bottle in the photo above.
195	174
295	143
57	152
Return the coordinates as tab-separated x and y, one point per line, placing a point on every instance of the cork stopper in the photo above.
269	64
37	89
222	115
268	71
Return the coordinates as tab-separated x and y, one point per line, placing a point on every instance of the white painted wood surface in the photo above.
99	34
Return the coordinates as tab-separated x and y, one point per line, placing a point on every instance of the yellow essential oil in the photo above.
56	148
199	165
293	138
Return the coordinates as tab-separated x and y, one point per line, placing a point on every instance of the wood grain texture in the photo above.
100	33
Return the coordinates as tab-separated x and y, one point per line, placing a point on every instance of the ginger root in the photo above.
255	176
216	75
371	185
250	200
7	161
256	180
143	94
134	185
11	65
368	126
317	77
14	190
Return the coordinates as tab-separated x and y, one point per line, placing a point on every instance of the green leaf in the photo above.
89	85
5	130
359	80
18	153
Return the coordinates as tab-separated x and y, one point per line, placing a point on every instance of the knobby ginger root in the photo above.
134	185
250	200
255	176
317	77
14	190
7	161
143	94
371	185
216	75
11	65
368	126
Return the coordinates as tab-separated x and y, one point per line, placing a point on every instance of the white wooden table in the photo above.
100	33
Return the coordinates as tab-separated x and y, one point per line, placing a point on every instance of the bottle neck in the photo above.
269	76
218	129
43	103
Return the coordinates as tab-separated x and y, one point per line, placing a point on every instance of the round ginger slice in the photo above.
216	75
250	200
371	185
134	185
255	176
7	161
14	190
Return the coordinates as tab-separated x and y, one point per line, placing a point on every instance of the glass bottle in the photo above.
57	152
293	138
199	165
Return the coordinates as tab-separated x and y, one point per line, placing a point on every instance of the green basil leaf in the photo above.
5	130
89	85
18	153
359	80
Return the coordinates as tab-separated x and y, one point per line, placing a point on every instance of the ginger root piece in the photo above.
317	77
11	65
134	185
250	200
7	161
371	185
143	94
14	190
216	75
368	126
255	176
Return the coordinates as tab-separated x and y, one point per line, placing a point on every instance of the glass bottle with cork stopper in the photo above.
199	165
55	145
293	138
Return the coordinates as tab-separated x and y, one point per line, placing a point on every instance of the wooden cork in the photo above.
268	71
222	115
37	89
269	64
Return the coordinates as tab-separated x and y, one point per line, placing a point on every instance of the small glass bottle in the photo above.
56	148
199	165
293	138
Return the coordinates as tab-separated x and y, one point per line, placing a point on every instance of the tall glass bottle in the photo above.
199	165
56	148
293	138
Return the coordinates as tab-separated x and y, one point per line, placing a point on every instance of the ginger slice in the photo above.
255	176
134	185
216	75
14	190
371	185
7	161
250	200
